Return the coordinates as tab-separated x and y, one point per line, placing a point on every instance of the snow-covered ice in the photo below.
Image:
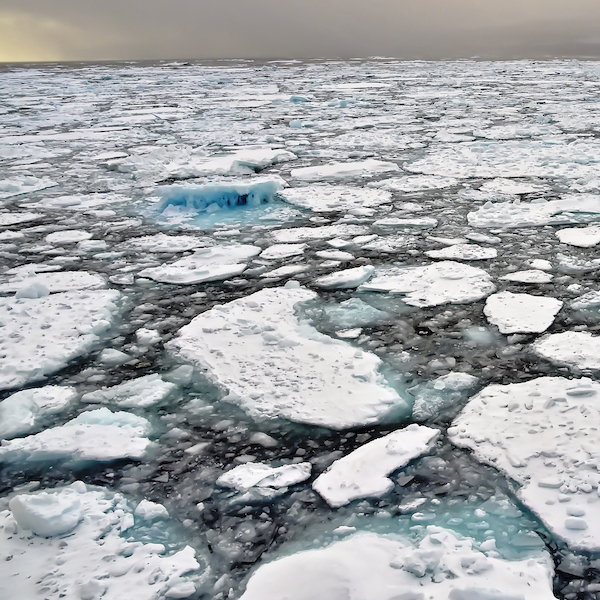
542	433
325	197
528	276
62	281
274	365
432	285
162	242
582	237
521	313
259	475
143	392
348	170
364	472
578	349
347	278
463	252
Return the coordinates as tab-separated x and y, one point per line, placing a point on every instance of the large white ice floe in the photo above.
68	543
433	397
521	313
15	218
364	472
367	566
348	170
212	197
582	237
26	410
325	232
206	264
274	365
432	285
68	236
325	197
61	281
528	276
578	349
570	209
264	477
25	184
543	433
161	242
396	222
415	183
41	335
98	435
345	279
278	251
463	252
136	393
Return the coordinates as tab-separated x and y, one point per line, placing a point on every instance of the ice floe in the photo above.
521	313
416	183
41	335
161	242
137	393
324	197
97	435
206	264
367	566
432	285
578	349
15	218
17	186
259	475
304	234
528	276
62	281
364	472
274	365
27	410
582	237
67	543
543	434
346	279
418	222
69	236
348	170
463	252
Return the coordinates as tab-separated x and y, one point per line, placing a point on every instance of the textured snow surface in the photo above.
432	285
259	475
521	313
543	434
206	264
274	365
63	281
142	392
528	276
68	543
324	197
364	472
97	435
463	252
348	278
41	335
367	566
578	349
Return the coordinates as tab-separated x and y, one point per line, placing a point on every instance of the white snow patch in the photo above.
364	472
543	434
432	285
274	365
348	170
521	313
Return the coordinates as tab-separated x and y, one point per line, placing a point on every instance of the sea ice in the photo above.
62	281
15	218
521	313
353	313
325	197
161	242
69	236
98	435
279	251
529	276
364	472
578	349
41	335
304	234
143	392
346	279
26	410
393	222
274	365
463	252
543	434
367	566
416	183
348	170
432	285
433	397
94	560
17	186
206	264
244	477
582	237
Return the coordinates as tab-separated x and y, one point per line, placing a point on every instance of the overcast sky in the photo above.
429	29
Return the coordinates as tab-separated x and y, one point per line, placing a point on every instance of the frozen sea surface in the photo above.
333	316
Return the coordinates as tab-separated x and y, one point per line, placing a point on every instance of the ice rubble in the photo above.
68	543
353	313
582	237
26	410
325	197
543	434
206	264
269	479
367	566
521	313
348	170
432	285
392	222
142	392
570	209
463	252
364	472
579	349
41	335
97	435
345	279
274	365
215	196
415	183
61	281
434	397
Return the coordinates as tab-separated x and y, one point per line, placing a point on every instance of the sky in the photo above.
57	30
